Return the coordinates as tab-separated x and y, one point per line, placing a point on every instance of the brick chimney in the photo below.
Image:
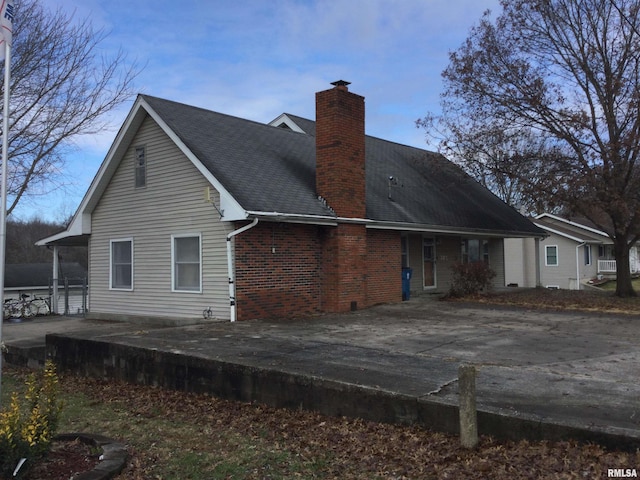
340	160
340	181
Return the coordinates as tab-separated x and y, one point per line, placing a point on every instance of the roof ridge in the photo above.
208	110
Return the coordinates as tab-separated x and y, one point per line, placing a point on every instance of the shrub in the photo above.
470	279
29	424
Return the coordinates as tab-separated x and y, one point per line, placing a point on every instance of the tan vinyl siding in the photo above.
496	261
171	203
562	275
415	261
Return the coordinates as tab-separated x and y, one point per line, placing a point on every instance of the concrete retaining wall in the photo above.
235	381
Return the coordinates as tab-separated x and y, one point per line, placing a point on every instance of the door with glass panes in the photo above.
429	262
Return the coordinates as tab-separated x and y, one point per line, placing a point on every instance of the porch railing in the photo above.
606	266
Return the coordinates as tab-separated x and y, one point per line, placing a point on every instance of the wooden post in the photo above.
468	413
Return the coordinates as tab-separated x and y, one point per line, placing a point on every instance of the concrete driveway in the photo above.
579	370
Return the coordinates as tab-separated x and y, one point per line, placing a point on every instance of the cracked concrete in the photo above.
575	369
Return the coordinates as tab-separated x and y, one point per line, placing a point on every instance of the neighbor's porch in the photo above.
607	264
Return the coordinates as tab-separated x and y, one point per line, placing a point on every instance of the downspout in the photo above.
232	276
54	281
578	264
536	254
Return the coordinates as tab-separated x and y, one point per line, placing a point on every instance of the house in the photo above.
198	213
573	253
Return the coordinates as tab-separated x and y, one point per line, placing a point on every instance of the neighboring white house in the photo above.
35	280
571	255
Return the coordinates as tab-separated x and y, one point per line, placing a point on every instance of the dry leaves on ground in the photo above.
571	300
348	448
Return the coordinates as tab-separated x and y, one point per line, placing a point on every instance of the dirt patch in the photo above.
65	460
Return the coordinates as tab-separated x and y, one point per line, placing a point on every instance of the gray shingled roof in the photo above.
264	168
272	169
30	275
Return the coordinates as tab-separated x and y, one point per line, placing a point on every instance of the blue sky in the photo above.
259	58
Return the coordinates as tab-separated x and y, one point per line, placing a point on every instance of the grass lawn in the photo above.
173	435
611	286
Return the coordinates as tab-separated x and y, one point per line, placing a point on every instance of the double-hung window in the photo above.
475	250
186	254
121	264
551	255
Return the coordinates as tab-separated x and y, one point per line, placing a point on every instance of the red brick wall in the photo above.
277	271
384	264
340	161
344	271
293	270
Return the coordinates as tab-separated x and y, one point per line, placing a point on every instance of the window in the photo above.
186	264
121	271
551	255
429	262
141	167
475	250
587	254
405	251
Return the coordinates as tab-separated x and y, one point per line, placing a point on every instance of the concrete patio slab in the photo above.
562	374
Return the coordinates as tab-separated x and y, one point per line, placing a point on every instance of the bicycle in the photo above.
40	305
20	308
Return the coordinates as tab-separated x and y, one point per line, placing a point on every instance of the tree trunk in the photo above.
624	288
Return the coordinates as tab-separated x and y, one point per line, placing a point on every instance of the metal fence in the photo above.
72	298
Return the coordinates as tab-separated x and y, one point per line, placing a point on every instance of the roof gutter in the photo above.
230	270
293	217
386	225
412	227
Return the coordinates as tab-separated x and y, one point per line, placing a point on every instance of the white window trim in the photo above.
173	261
546	257
111	242
590	254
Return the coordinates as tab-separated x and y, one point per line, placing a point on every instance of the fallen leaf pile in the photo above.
342	448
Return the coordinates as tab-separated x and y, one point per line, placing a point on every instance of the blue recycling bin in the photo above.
406	282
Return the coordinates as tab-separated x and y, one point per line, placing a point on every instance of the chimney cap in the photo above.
341	84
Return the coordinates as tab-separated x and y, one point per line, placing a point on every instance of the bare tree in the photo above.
507	162
60	89
568	72
22	236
